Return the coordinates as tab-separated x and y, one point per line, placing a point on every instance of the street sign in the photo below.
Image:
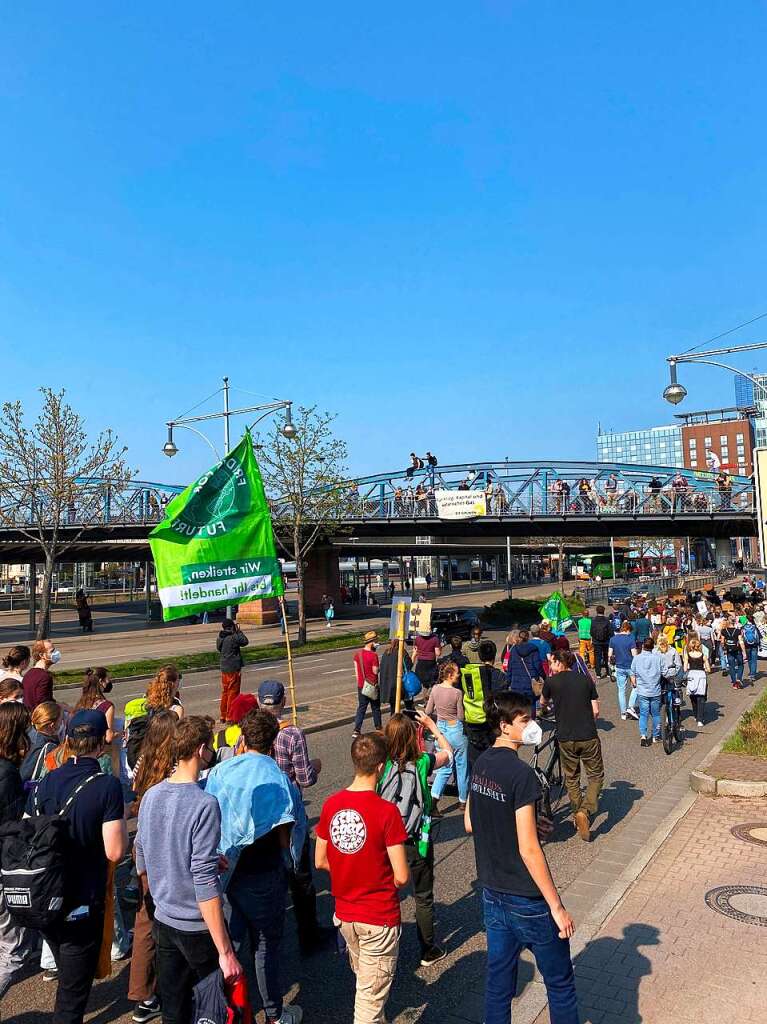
397	604
420	617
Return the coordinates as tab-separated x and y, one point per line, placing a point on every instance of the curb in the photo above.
709	785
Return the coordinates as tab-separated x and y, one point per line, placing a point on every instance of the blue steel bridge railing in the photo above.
513	489
553	489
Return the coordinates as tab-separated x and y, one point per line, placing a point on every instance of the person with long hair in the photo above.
162	693
406	772
95	687
697	667
157	762
521	904
446	699
11	690
16	944
43	738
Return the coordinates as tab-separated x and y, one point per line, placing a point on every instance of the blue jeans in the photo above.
456	737
256	925
649	707
735	665
622	676
362	706
514	923
753	664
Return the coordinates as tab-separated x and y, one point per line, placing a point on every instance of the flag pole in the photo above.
400	653
291	677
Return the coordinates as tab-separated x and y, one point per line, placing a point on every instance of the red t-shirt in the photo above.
426	647
364	663
358	827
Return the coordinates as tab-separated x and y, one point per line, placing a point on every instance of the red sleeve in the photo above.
322	825
394	830
358	671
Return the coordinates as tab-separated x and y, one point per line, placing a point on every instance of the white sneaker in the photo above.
700	725
623	718
632	713
292	1014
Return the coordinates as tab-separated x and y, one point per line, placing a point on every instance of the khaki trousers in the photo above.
586	651
586	753
373	953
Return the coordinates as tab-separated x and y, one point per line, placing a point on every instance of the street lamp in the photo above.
288	430
674	392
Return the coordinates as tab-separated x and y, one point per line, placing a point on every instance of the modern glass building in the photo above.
744	392
656	446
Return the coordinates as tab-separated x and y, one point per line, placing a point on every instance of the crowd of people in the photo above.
208	820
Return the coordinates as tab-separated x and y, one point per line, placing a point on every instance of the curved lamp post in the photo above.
674	392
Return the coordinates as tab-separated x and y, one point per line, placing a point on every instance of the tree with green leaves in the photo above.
305	480
48	471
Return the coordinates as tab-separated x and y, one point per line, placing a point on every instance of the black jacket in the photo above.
12	796
228	646
601	630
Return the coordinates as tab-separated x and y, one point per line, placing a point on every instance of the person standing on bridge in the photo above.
229	645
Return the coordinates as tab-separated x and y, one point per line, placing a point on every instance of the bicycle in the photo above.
671	715
550	777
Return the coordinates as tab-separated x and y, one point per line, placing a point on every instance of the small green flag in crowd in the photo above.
216	545
555	611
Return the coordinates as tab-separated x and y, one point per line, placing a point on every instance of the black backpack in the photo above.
34	853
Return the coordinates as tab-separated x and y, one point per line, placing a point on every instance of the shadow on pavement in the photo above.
616	802
608	961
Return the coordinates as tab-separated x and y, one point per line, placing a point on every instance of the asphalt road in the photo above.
633	774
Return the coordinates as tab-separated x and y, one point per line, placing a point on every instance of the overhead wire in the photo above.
725	333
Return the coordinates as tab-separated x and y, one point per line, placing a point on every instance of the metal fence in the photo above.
598	593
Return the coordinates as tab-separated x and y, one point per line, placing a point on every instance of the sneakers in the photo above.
633	713
700	725
147	1009
581	819
354	737
432	956
292	1014
656	739
623	718
644	742
51	975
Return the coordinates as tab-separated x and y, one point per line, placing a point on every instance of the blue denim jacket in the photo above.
255	796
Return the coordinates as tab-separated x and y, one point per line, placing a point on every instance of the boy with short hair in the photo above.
361	842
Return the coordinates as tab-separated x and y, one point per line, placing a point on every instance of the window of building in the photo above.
722	439
693	463
739	438
693	444
742	460
707	441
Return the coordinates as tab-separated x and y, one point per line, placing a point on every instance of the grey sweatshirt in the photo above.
179	828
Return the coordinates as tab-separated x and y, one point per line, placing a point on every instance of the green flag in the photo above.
555	611
216	546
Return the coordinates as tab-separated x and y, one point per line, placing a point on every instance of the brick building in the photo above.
728	433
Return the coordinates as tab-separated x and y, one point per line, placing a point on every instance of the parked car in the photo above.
617	594
447	622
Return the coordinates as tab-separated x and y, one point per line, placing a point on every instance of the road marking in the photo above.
335	671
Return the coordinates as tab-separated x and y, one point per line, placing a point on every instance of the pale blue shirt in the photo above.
647	669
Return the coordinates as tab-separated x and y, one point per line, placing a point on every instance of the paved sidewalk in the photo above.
664	955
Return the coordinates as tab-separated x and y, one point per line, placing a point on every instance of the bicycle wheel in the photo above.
665	730
677	725
544	802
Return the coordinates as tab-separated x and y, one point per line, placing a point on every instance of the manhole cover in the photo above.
744	903
753	832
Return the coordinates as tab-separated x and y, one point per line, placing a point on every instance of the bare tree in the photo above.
304	478
53	480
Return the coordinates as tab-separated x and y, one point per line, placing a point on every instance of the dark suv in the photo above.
447	622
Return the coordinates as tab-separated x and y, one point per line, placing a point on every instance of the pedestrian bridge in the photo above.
403	508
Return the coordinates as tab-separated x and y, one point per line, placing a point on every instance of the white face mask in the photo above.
55	656
532	734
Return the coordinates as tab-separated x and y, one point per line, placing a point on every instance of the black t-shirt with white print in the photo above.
500	785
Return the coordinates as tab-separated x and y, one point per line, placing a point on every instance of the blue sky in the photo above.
476	228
